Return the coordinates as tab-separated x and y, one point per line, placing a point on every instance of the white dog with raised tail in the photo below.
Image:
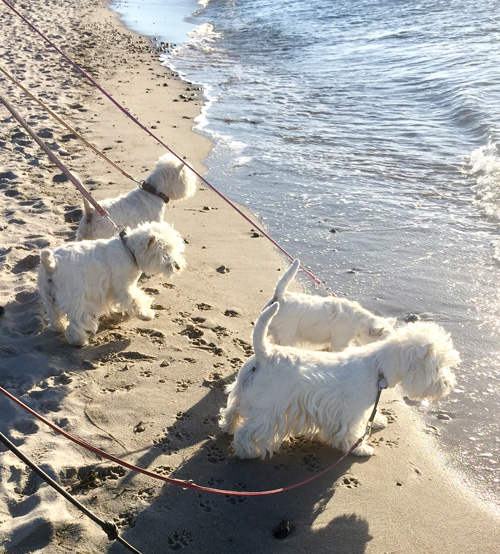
170	180
322	321
80	280
284	392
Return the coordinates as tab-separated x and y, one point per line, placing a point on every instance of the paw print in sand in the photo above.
311	462
215	454
179	539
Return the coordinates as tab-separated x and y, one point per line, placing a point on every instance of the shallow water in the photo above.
366	136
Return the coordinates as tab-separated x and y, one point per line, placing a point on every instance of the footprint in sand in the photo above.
183	416
237	499
350	482
311	462
179	539
89	478
126	519
215	454
247	347
208	505
215	381
182	386
24	312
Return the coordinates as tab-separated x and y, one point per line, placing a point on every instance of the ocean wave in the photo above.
484	167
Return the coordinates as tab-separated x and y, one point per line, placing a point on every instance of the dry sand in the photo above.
150	392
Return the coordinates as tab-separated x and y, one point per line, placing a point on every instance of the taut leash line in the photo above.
189	484
159	141
68	127
108	527
54	159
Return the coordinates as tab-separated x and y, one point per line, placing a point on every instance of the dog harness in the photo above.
149	188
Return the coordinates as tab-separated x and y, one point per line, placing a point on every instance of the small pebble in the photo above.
411	318
282	530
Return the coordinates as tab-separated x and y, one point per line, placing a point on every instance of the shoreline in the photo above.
397	501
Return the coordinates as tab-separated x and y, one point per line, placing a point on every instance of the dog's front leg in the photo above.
137	303
76	335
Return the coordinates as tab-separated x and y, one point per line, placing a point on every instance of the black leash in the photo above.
108	527
381	385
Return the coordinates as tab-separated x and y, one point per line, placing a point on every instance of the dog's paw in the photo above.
146	315
76	337
56	327
380	422
363	450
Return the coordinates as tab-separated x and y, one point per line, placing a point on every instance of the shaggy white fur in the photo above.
170	177
283	392
80	280
318	321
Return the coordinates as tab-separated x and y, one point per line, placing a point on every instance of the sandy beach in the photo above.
150	392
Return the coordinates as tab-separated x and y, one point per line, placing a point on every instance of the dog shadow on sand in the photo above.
211	523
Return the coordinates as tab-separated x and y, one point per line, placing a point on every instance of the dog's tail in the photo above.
261	345
88	209
48	261
286	280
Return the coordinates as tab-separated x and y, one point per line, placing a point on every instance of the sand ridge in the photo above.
150	392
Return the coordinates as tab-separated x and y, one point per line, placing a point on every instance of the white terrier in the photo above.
80	280
322	321
283	392
170	180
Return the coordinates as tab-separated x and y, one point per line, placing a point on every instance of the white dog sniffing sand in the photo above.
284	392
322	321
80	280
170	180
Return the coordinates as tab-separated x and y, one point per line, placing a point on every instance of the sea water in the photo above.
366	136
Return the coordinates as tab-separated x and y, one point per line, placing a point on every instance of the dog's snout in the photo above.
176	266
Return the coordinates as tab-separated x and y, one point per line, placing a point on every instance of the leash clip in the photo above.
382	382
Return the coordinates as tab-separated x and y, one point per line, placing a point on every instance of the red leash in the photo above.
171	480
151	134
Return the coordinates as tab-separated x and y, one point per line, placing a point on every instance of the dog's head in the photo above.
158	249
173	178
427	358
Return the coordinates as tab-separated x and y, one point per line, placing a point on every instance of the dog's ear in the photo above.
422	351
376	331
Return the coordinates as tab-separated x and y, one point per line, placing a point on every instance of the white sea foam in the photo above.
203	38
484	168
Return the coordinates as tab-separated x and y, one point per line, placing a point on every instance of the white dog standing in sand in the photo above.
283	392
80	280
322	321
170	180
